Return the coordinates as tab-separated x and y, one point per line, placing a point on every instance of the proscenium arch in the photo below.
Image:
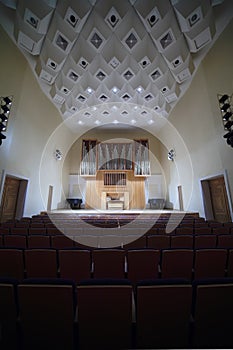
72	128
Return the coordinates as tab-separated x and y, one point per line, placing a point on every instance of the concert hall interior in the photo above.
116	174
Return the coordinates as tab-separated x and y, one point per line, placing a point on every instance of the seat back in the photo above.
8	314
163	312
210	263
182	241
11	263
205	241
108	263
105	315
142	264
38	241
213	314
15	241
40	263
177	263
75	264
46	313
158	241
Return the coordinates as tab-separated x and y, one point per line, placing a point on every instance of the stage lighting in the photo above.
170	155
7	100
5	107
3	117
223	98
226	116
225	107
228	125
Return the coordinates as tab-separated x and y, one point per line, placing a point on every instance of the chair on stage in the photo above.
11	263
40	263
108	263
177	263
46	314
105	314
213	314
75	264
163	310
9	339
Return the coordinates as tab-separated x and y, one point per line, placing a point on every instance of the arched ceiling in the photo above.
114	61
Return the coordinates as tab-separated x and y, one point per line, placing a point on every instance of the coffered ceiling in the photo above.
114	61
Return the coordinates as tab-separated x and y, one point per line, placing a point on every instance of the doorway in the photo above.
216	199
13	198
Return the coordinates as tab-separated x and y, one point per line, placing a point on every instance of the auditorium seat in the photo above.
205	241
204	230
1	241
111	241
86	241
184	230
61	242
4	230
158	241
221	230
9	339
40	263
11	263
163	309
105	314
230	263
134	241
210	263
19	231
108	263
46	314
213	314
75	264
182	241
142	264
177	263
53	231
37	231
38	241
15	241
225	241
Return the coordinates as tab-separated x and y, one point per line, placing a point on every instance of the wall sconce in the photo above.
225	105
5	107
171	155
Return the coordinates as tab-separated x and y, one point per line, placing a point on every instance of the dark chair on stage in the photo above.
75	203
156	203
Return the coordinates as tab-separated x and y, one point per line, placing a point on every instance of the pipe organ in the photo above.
115	170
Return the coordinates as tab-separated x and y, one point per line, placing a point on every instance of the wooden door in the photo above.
9	198
219	199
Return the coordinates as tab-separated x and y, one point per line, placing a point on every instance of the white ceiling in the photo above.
114	61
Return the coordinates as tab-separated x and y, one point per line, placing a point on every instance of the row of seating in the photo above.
79	264
112	241
106	314
74	230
